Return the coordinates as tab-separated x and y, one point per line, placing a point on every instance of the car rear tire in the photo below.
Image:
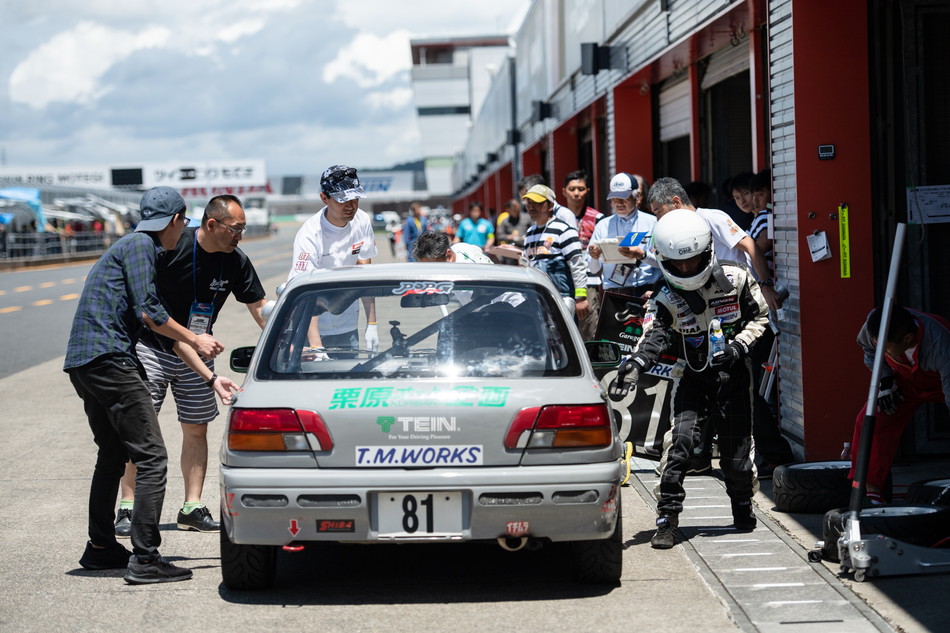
247	567
600	562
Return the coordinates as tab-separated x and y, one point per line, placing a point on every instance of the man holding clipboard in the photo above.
625	228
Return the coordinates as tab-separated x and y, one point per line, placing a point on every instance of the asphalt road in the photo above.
47	456
45	464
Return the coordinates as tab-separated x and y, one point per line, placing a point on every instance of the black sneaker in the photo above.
198	520
142	571
665	536
742	516
123	523
113	556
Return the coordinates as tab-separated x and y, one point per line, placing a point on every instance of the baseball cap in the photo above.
622	186
341	183
539	193
158	206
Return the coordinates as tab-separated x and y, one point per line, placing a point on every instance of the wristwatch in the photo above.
767	282
210	381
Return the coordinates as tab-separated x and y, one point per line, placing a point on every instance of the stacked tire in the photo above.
815	487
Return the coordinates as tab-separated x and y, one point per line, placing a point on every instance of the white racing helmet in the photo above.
682	234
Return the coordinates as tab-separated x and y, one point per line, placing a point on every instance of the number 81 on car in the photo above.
419	515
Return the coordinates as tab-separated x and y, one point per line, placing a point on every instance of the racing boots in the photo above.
665	536
742	516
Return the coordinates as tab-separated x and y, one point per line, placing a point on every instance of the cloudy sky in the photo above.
299	83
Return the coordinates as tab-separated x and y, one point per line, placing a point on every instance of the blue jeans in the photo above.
124	427
349	339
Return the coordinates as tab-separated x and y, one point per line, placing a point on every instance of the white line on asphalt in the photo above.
728	516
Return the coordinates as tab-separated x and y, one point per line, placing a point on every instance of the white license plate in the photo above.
419	514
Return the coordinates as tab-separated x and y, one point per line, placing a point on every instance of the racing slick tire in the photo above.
935	491
247	567
815	487
600	562
923	525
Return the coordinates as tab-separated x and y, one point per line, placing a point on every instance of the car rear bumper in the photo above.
269	506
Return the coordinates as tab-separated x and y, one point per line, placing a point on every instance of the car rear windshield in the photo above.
425	329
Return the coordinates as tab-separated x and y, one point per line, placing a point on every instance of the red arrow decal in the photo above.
294	530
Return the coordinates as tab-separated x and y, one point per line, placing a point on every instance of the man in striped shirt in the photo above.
554	247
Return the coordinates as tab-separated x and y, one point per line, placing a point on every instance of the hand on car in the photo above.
310	354
223	387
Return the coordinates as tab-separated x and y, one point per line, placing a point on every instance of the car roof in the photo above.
424	271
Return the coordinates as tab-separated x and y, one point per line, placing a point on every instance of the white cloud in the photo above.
299	83
238	30
370	60
68	66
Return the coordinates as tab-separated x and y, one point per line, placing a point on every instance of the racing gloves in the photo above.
734	352
628	373
889	396
371	337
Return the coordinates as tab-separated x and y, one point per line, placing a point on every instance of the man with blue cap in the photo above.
119	299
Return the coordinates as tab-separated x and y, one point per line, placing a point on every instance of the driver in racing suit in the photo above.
717	386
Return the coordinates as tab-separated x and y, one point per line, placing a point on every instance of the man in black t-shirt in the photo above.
194	281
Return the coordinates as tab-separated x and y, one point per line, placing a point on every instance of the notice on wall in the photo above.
818	246
928	205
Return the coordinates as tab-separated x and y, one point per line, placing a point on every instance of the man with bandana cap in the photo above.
340	234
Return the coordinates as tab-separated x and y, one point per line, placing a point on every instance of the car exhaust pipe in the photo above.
512	543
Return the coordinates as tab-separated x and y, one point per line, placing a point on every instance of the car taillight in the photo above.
277	430
561	426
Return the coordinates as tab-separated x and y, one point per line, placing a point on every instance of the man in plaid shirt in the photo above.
120	297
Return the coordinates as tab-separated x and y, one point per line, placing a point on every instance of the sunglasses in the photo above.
234	230
340	174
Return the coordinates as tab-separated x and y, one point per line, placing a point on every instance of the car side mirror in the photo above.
603	353
241	359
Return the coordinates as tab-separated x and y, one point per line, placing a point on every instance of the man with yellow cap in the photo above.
554	247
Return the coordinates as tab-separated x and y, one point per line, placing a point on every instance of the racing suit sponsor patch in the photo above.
694	341
725	305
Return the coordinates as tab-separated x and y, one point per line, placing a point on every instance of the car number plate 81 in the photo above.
419	514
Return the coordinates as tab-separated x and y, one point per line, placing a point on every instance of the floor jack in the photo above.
879	555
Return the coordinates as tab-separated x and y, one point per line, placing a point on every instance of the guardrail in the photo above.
34	249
